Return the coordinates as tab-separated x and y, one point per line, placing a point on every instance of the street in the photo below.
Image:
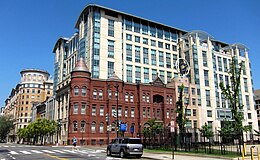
30	152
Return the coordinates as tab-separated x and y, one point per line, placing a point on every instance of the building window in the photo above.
148	112
137	39
152	32
206	77
75	126
100	94
145	56
153	43
109	94
131	98
193	101
188	124
101	111
126	97
75	108
168	60
146	75
167	46
247	102
144	112
126	112
128	25
249	115
145	41
194	112
128	52
129	37
205	61
160	44
119	111
167	113
148	98
153	57
93	127
170	99
188	112
169	76
209	113
162	76
101	127
83	91
136	27
110	27
110	68
83	108
208	98
174	58
76	91
111	49
93	111
159	33
94	94
144	29
161	59
129	74
219	64
132	112
137	54
82	126
137	74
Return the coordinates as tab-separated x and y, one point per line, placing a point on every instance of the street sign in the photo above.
172	126
132	129
123	127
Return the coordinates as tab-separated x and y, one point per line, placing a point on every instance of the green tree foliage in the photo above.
6	124
206	131
38	130
152	129
231	93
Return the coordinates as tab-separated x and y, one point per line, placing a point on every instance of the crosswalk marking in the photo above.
66	150
35	151
58	151
48	151
25	152
13	152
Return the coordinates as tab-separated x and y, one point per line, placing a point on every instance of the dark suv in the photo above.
125	146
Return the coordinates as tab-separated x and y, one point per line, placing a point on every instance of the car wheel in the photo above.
138	156
122	153
108	152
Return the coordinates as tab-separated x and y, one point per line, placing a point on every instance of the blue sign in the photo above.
132	129
123	127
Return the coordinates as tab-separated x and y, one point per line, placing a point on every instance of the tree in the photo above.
231	93
152	129
181	119
226	131
6	124
206	132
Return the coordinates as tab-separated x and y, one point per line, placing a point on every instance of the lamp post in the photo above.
117	123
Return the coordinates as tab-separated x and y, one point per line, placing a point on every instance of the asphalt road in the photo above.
30	152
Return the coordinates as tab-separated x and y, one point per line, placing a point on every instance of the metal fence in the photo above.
193	141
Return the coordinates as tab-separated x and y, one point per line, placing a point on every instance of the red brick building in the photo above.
91	100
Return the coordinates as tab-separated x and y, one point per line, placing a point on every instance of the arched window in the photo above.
75	126
132	97
100	94
101	127
95	94
143	97
84	91
93	127
113	127
76	91
126	97
148	98
82	126
167	99
170	99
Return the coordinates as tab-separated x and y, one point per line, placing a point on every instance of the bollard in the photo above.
252	152
243	156
244	149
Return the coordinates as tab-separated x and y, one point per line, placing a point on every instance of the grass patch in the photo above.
201	152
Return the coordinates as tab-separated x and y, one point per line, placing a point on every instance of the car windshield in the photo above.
132	141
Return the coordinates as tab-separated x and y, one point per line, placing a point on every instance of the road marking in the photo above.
48	151
13	152
25	152
56	157
6	146
69	151
35	151
58	151
2	159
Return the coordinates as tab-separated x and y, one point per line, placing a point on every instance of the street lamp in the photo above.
117	123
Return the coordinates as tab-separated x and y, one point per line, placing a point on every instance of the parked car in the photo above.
125	147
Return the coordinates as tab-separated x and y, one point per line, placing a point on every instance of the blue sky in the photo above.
30	28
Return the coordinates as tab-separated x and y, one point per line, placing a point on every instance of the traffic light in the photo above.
107	117
114	113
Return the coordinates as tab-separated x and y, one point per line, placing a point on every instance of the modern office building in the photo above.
35	87
136	49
